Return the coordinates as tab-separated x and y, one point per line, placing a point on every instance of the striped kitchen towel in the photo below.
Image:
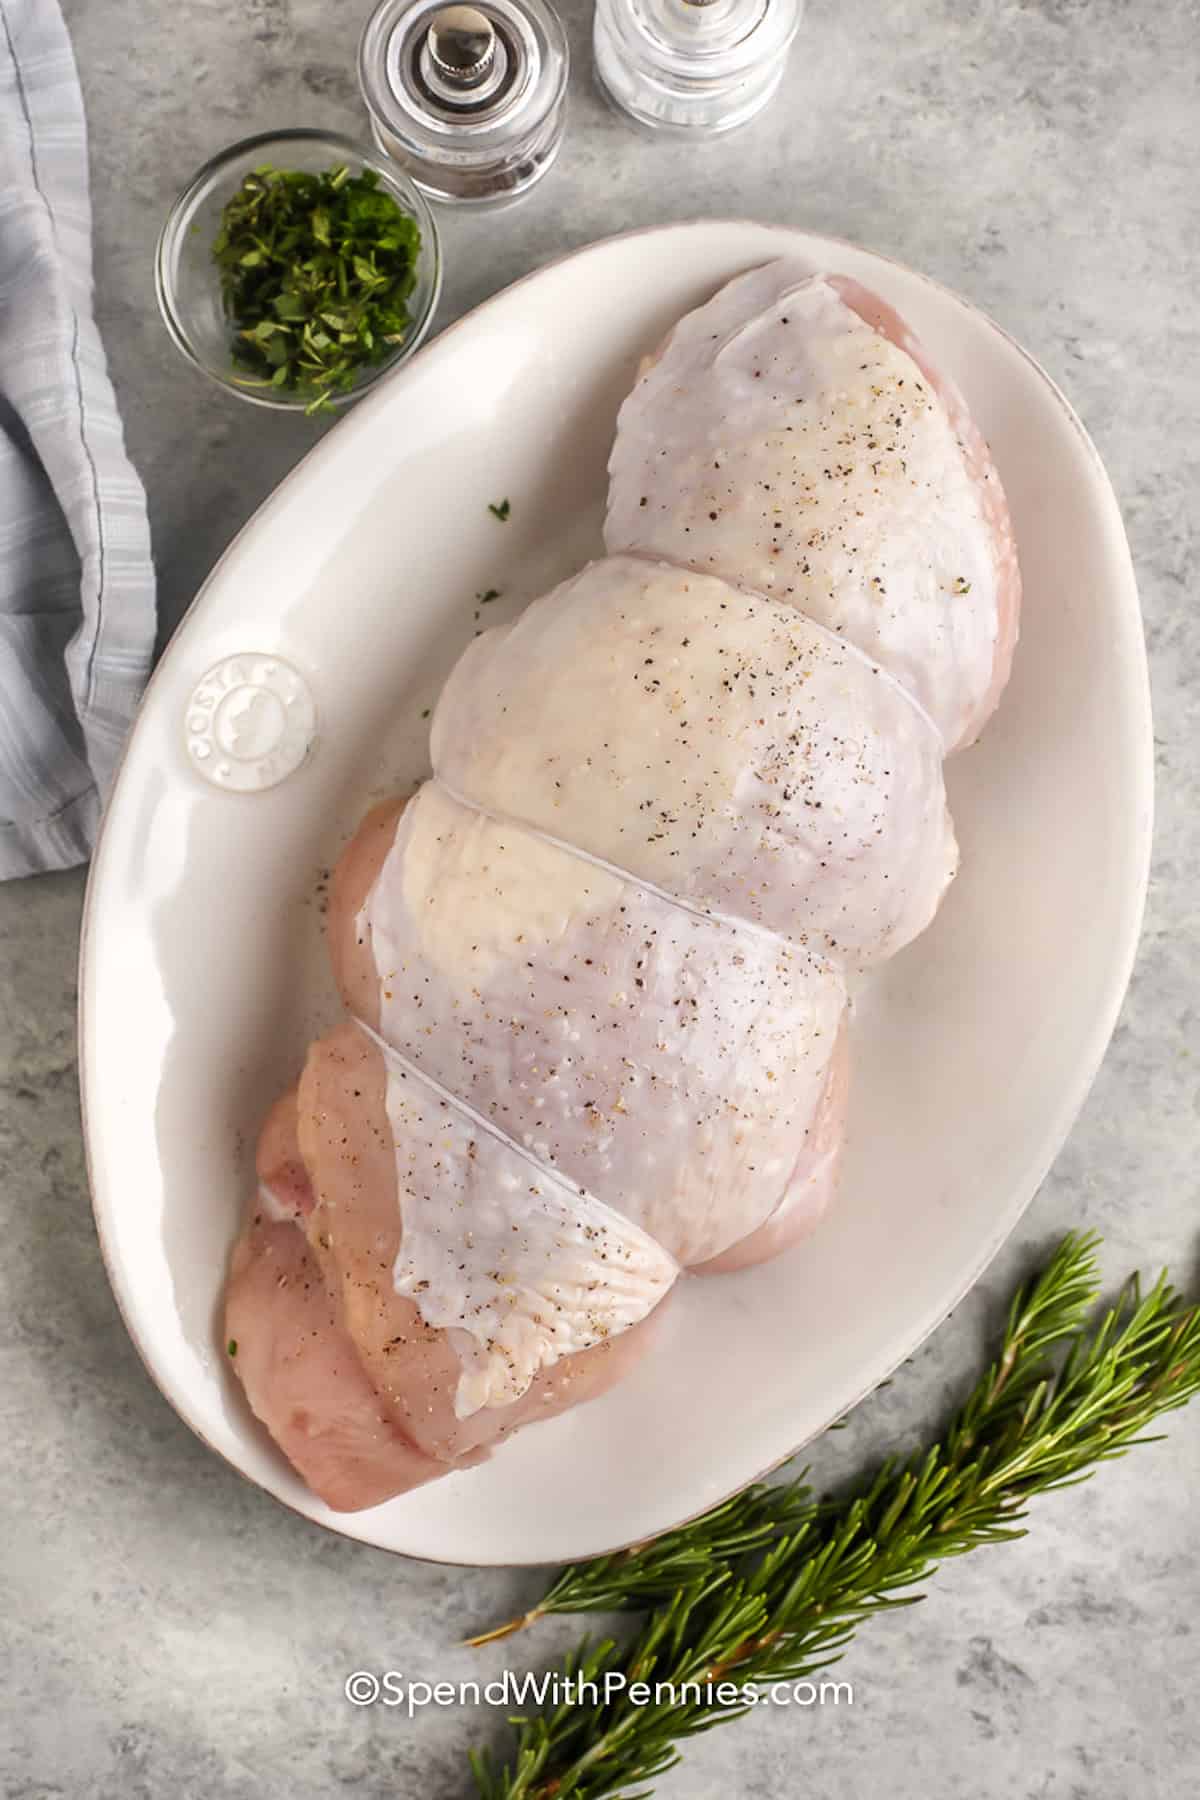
76	577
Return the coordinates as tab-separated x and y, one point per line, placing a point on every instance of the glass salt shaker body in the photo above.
693	65
470	100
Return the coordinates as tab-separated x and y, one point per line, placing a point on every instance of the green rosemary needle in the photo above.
771	1586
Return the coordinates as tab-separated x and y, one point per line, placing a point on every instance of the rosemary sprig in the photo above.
647	1573
774	1592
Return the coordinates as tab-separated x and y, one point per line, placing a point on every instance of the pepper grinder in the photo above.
693	65
470	100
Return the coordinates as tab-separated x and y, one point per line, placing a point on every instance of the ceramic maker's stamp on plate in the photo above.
250	722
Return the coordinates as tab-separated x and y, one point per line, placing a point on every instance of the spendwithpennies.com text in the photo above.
524	1689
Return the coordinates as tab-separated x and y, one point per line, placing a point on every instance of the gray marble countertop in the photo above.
172	1631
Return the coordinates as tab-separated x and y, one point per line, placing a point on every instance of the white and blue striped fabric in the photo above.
76	577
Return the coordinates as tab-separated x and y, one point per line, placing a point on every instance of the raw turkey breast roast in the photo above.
595	969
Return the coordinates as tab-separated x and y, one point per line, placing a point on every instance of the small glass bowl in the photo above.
187	281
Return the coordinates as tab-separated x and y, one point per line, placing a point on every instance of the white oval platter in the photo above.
203	974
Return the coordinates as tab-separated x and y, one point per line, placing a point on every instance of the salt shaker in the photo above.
470	100
693	65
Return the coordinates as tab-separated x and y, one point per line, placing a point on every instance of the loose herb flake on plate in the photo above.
316	273
500	510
